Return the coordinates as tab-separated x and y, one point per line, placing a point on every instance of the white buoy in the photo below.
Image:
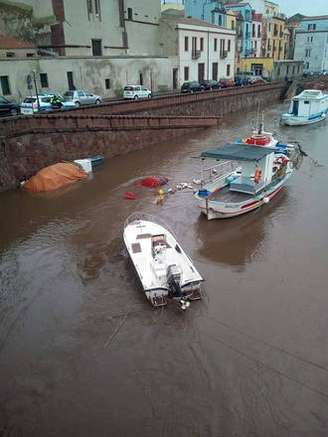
266	200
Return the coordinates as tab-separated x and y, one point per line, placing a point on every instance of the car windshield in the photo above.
69	94
128	88
30	100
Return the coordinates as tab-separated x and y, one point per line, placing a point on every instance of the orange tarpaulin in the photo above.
55	176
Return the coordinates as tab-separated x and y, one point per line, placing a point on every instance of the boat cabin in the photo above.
257	166
310	103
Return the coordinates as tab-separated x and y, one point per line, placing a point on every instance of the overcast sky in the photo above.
305	7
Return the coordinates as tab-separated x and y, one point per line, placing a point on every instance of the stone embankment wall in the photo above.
29	143
208	103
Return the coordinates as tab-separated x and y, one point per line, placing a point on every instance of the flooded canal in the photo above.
83	354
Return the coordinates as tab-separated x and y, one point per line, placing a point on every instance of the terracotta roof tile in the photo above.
9	42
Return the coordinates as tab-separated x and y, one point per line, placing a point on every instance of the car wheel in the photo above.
77	104
13	111
98	102
149	96
135	97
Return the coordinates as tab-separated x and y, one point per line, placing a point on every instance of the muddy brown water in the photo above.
83	354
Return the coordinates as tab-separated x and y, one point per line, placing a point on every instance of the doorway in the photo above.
175	78
201	72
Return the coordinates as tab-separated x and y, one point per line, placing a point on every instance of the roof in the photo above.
238	152
9	42
315	17
233	4
194	22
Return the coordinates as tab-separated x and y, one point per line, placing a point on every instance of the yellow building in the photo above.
275	35
231	20
272	69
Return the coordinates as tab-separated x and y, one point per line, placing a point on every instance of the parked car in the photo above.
257	80
136	92
226	83
82	97
209	84
8	108
191	87
30	104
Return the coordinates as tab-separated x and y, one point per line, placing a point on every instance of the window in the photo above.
220	20
215	71
213	18
89	7
107	84
4	80
130	14
269	27
228	70
186	73
141	78
314	26
70	80
253	30
278	71
222	46
229	45
121	12
10	54
186	43
201	44
97	8
215	44
287	69
96	47
44	80
259	31
194	44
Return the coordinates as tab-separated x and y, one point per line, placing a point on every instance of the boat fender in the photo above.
266	200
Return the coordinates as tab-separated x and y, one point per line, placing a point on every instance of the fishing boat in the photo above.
164	269
311	106
246	177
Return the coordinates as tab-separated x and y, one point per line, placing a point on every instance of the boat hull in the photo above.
220	210
300	121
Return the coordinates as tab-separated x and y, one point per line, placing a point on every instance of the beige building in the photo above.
100	45
198	50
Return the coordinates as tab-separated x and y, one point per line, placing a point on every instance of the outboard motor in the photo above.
174	281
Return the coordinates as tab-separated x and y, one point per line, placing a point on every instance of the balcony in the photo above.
223	54
195	54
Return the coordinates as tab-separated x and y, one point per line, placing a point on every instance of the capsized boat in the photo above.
248	177
310	106
164	269
89	164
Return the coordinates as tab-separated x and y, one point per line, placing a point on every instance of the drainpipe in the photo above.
36	89
208	55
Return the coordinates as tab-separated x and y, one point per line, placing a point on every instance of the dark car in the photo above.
209	84
191	87
8	108
226	83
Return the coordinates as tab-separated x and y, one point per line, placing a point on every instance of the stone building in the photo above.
311	43
90	44
198	50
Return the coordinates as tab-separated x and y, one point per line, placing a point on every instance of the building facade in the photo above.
90	44
272	69
256	35
311	43
198	50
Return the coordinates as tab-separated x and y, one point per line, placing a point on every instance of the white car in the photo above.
30	104
82	97
136	92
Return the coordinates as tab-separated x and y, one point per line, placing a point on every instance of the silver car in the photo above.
82	97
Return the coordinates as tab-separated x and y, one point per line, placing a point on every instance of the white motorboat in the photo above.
164	269
311	106
230	190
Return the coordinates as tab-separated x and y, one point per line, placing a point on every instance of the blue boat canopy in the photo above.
238	152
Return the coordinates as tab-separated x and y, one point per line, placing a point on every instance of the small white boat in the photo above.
164	269
261	174
311	106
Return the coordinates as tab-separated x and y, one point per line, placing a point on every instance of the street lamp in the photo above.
36	89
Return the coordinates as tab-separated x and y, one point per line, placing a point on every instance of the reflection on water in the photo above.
81	351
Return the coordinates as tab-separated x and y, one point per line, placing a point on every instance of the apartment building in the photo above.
198	50
311	43
100	45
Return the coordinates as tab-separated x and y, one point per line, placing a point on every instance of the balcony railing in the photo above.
195	54
223	54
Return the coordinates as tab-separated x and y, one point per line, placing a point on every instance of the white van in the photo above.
136	92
